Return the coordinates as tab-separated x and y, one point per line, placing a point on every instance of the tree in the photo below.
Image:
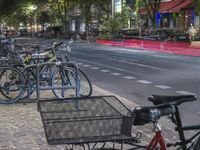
152	7
197	6
88	13
14	12
111	26
43	18
125	15
61	10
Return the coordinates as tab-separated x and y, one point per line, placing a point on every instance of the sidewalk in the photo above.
180	48
21	127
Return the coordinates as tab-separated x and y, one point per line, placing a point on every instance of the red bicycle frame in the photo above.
157	140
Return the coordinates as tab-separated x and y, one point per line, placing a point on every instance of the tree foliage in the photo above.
152	7
14	12
61	9
197	6
87	11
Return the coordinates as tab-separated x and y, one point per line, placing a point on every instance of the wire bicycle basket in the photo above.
98	119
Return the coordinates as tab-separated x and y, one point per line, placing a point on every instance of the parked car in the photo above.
52	32
130	33
23	32
10	33
167	34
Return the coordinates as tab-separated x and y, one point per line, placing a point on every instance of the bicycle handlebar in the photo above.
58	44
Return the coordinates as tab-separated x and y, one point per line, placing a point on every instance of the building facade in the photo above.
174	14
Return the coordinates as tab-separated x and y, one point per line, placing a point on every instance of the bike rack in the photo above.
42	88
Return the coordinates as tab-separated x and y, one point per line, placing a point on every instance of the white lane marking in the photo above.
79	63
105	70
86	65
162	86
94	68
144	81
111	67
137	64
128	77
185	93
115	74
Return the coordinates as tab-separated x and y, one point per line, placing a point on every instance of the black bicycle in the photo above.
192	143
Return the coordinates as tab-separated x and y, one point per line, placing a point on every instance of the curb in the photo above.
180	48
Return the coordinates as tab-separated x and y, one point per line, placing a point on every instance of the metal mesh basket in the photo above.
97	119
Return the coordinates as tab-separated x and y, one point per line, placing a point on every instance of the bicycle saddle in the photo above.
144	115
174	100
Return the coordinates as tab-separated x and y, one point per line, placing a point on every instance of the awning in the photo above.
170	5
162	4
184	4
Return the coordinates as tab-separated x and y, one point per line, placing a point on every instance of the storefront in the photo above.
174	14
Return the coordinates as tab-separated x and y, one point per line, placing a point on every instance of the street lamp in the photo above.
113	8
32	8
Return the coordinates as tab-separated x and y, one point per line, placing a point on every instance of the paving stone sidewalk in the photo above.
21	127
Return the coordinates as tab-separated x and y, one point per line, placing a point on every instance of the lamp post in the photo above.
33	8
113	8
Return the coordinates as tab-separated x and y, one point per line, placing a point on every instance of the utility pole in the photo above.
113	8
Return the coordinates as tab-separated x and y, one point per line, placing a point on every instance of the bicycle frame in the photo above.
180	129
157	140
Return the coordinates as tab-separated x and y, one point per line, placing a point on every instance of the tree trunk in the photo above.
87	31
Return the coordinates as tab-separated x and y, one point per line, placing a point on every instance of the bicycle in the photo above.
64	50
192	143
100	119
48	76
86	88
14	83
15	66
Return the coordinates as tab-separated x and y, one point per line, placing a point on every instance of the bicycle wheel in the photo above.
64	77
30	81
85	84
12	85
197	144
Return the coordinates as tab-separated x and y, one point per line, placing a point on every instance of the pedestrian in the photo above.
192	32
78	37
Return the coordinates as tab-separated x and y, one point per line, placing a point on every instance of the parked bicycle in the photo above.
48	76
100	119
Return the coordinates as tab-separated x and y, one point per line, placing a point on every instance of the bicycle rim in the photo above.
86	88
195	145
12	85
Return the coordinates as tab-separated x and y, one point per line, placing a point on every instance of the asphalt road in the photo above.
136	74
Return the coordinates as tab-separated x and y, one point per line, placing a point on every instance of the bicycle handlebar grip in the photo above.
48	49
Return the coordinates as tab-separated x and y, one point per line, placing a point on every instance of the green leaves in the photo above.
152	7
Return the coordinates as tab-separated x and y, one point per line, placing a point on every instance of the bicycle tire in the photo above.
197	144
2	71
64	76
12	85
29	86
86	88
